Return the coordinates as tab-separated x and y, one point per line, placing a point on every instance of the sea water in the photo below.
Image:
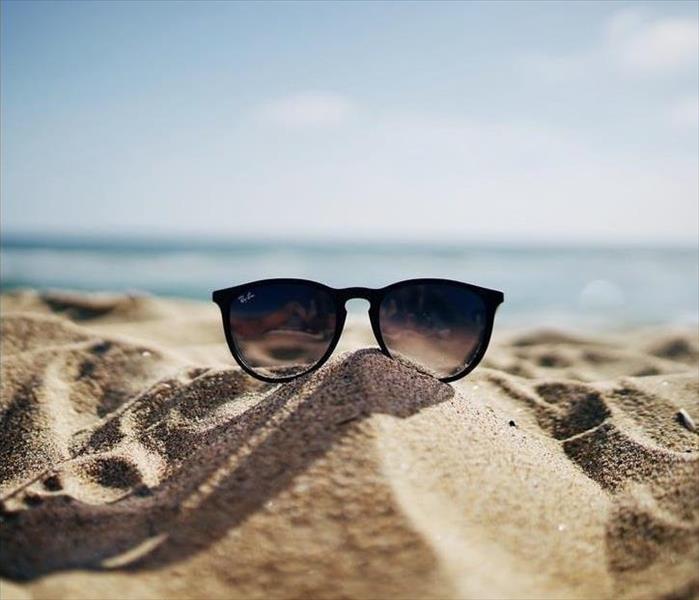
594	287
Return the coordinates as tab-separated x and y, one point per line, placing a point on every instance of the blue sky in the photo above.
421	121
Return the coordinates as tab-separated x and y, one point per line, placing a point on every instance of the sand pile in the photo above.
135	460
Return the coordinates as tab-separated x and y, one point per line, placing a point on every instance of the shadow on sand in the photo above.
222	469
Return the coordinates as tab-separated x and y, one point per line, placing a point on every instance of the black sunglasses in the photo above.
280	329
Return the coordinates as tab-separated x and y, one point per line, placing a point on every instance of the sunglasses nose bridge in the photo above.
355	292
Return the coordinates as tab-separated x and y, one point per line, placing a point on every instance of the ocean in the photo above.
579	288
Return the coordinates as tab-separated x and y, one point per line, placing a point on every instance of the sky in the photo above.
420	121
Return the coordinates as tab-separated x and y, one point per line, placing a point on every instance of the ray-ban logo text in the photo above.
243	298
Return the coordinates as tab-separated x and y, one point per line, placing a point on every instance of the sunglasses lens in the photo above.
282	329
438	327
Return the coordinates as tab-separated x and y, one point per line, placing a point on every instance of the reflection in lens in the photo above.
282	329
438	327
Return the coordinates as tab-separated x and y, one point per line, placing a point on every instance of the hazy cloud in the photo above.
650	45
632	42
685	112
307	109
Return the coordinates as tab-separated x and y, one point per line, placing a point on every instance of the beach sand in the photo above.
137	461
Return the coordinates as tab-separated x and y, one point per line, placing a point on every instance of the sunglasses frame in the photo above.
223	298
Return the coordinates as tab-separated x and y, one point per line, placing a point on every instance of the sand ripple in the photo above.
134	462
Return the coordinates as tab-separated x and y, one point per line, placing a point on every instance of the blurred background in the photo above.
546	149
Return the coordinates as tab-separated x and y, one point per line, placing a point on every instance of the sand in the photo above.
137	461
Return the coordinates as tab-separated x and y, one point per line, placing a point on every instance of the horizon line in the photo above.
25	238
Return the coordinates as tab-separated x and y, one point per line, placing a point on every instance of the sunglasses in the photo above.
280	329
